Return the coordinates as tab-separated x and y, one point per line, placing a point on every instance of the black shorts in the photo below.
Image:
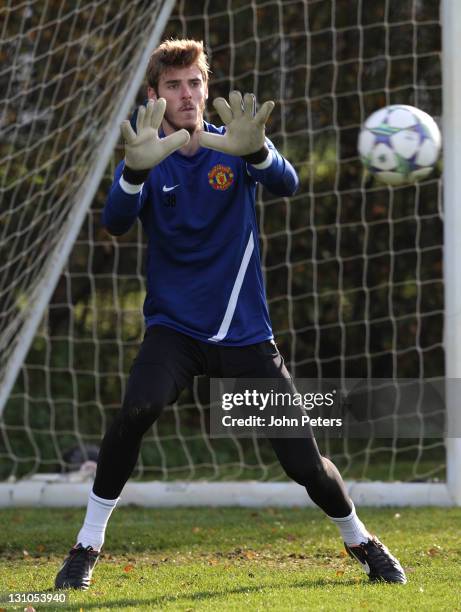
172	359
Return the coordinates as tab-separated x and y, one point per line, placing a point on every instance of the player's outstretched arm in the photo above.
245	137
144	149
245	129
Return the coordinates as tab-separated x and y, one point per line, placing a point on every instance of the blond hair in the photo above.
176	54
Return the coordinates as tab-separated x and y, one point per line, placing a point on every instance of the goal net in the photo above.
353	270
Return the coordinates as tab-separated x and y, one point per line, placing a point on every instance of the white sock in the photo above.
353	531
97	516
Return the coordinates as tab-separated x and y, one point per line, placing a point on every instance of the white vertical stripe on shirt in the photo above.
225	324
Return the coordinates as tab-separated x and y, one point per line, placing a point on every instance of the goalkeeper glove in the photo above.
144	149
244	129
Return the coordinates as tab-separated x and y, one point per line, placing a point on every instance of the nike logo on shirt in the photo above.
166	189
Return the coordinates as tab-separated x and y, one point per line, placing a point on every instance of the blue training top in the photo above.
204	275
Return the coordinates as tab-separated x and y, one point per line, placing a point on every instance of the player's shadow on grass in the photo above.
209	595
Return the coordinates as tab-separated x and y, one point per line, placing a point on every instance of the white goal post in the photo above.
451	32
340	298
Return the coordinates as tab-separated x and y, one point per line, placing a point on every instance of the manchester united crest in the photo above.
220	177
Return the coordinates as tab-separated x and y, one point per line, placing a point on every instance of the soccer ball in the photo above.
399	144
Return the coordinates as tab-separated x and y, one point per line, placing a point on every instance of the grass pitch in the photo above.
235	559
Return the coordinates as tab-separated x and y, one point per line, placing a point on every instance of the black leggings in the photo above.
167	363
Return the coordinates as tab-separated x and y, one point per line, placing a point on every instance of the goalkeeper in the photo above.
193	186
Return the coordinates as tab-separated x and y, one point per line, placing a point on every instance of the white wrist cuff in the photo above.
128	187
265	164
